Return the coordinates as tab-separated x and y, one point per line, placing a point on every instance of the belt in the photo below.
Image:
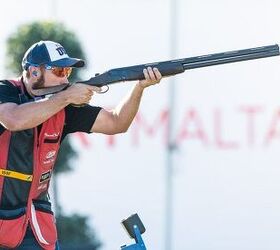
16	175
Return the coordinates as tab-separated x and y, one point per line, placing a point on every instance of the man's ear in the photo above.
34	71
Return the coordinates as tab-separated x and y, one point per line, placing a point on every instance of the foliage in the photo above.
28	34
65	157
69	227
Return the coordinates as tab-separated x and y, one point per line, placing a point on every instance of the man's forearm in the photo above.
128	108
119	119
29	115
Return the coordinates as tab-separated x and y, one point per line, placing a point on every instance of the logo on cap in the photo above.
61	51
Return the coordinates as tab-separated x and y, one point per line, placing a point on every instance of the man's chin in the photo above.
39	84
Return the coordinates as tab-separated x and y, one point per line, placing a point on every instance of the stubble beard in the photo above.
40	83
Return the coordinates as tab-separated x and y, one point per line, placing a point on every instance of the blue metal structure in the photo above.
134	228
139	245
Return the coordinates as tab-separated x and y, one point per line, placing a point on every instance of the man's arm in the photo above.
119	119
16	117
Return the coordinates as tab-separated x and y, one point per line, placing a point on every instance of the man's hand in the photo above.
79	94
152	77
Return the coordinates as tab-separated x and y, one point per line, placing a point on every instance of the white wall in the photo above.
227	164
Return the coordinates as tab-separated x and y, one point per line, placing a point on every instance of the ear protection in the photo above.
34	73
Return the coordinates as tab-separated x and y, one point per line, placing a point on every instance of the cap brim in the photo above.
69	62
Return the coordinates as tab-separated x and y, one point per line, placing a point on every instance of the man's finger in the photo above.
97	89
157	73
147	76
151	74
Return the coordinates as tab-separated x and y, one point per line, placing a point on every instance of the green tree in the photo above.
79	238
28	34
73	228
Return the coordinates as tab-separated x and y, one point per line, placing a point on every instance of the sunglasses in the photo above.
59	71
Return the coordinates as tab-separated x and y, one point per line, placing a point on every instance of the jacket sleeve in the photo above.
8	92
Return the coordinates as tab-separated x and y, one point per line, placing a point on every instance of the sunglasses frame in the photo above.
65	71
52	68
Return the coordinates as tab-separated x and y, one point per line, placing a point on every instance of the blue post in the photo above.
139	245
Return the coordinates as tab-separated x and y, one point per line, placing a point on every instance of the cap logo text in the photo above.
61	51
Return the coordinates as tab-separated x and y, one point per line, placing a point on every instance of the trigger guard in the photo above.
104	91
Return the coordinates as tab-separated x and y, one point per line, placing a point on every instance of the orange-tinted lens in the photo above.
62	72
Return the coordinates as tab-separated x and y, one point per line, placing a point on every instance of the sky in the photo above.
226	122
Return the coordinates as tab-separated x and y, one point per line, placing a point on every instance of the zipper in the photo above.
33	184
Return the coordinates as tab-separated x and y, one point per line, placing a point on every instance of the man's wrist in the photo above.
61	97
140	86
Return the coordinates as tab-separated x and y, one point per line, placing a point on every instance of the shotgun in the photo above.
172	67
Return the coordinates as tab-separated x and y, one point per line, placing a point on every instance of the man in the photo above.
31	130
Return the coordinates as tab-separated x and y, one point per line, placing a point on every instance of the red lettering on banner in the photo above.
250	112
273	131
83	139
111	140
192	128
218	132
140	122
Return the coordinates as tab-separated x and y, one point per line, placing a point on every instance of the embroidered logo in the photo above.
50	154
52	135
49	157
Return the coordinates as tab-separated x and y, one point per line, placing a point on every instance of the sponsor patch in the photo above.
49	157
50	154
45	176
52	135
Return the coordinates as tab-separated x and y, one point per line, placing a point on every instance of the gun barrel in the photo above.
173	67
230	57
